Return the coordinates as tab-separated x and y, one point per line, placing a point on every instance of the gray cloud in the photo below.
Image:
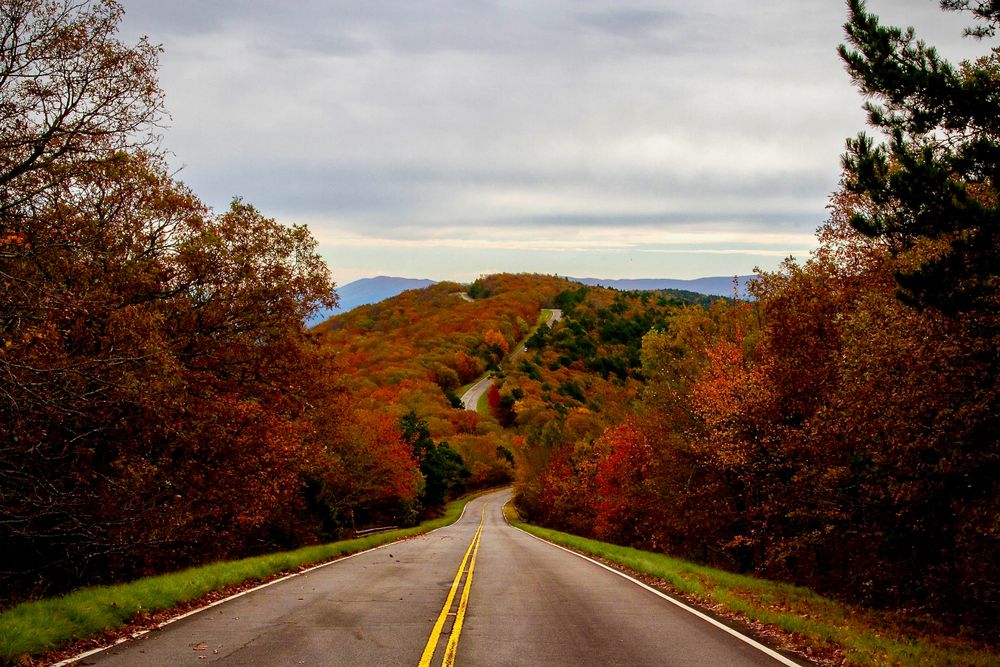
630	23
399	118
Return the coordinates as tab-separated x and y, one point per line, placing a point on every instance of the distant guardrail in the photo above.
372	531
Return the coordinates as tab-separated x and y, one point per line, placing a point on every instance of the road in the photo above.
470	399
529	603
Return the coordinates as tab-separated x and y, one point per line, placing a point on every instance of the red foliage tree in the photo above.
493	399
624	502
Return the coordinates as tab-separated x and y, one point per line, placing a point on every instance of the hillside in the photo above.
415	351
412	352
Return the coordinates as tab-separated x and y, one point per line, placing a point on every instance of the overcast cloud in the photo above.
449	138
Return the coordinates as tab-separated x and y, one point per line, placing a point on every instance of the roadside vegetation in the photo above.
34	628
824	630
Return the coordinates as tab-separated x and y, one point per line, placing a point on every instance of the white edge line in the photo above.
173	619
722	626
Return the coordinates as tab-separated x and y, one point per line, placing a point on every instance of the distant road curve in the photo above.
471	398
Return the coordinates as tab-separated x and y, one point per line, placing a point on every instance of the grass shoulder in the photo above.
97	615
793	618
483	404
461	391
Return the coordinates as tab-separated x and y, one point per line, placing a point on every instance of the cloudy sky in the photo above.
445	139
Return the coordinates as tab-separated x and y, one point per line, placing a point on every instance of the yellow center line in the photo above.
456	630
432	641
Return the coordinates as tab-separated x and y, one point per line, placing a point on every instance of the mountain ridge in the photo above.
379	288
712	285
368	290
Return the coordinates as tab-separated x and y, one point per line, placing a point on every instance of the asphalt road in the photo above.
529	603
470	399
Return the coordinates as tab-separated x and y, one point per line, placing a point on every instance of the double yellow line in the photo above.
456	629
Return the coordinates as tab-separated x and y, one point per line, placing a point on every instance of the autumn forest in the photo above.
163	405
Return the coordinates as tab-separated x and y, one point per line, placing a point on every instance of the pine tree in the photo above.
932	183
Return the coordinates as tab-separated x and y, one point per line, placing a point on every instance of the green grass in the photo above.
33	628
865	637
483	404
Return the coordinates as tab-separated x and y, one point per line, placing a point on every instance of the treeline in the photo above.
841	431
160	401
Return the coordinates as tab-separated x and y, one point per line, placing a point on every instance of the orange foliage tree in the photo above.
160	393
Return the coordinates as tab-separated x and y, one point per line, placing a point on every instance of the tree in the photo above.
985	10
366	471
157	380
71	95
933	183
623	502
930	194
156	377
497	346
443	468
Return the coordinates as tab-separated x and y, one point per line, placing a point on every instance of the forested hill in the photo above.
373	290
414	353
411	354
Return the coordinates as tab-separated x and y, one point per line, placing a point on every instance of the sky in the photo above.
447	139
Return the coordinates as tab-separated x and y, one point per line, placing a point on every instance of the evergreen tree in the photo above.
930	187
443	469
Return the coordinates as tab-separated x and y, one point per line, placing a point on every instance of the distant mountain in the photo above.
718	285
368	290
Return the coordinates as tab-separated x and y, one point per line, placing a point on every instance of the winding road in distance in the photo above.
470	399
412	603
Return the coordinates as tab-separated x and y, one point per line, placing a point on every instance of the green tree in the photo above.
443	468
931	185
